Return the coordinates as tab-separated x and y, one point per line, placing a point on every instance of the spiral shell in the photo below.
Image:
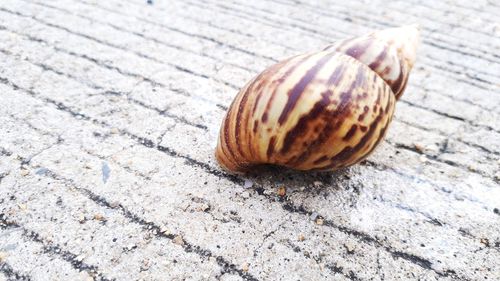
322	110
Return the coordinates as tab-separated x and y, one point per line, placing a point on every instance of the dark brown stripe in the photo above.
270	147
403	87
226	142
258	92
359	49
396	85
374	65
265	115
298	89
379	94
360	78
224	145
362	115
380	138
257	99
336	76
225	156
389	104
239	121
386	71
255	125
321	159
350	133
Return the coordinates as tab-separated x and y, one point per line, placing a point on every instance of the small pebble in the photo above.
248	184
340	264
164	230
317	183
281	191
3	256
496	29
423	158
81	218
114	204
419	147
41	171
202	208
114	130
99	217
178	240
472	168
114	99
24	172
245	194
23	207
432	147
145	265
350	247
301	237
244	267
485	241
319	221
313	216
106	171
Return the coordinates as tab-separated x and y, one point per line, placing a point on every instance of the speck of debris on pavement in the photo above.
105	172
281	191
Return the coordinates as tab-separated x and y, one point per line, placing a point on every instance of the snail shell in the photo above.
322	110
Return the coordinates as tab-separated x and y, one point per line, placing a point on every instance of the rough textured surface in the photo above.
109	117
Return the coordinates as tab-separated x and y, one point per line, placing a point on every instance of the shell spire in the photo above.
321	110
391	53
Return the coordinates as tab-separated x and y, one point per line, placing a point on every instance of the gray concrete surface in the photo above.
109	116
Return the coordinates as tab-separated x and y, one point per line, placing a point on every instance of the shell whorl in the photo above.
317	111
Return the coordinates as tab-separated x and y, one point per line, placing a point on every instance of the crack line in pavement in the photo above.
53	249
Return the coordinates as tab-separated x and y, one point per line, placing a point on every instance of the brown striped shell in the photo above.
322	110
